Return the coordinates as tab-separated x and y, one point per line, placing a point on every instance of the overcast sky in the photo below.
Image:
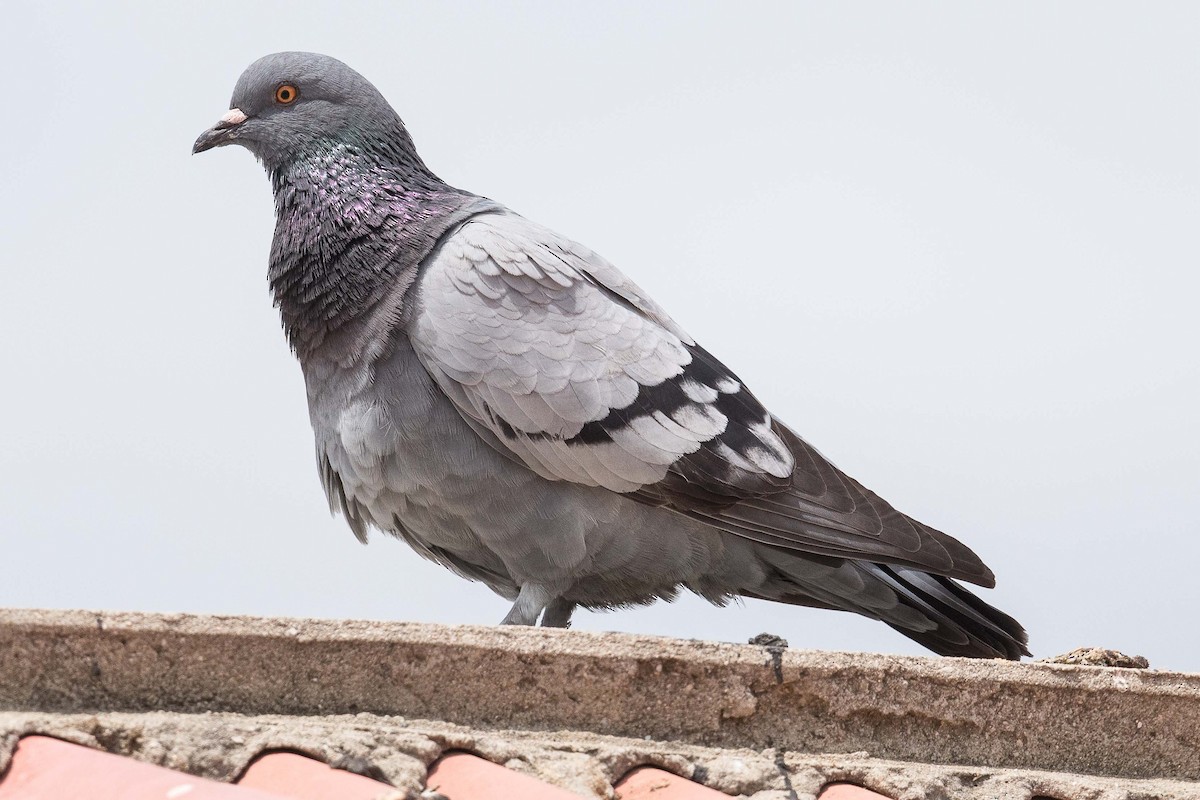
953	245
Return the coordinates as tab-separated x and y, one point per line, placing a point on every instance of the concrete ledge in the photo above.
1092	720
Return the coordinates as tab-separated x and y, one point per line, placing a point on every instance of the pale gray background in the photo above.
953	245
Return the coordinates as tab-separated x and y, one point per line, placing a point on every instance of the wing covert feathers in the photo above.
583	378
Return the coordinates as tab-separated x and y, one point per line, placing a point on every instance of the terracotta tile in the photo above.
848	791
50	769
306	778
651	783
462	776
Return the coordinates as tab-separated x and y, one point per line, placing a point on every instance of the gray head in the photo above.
287	104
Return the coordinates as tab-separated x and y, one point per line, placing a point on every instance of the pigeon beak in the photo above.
224	132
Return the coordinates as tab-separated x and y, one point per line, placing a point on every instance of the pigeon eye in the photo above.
286	94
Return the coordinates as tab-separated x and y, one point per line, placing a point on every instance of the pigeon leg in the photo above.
558	614
533	598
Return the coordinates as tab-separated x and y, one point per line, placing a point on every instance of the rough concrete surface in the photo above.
220	746
206	694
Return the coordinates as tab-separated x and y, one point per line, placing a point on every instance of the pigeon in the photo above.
516	409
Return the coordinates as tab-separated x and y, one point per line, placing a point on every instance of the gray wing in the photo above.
573	370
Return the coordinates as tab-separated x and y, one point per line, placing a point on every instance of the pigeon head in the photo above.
356	209
288	104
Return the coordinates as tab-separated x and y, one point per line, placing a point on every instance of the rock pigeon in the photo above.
516	409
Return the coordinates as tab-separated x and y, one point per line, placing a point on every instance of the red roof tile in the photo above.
44	768
462	776
651	783
50	769
305	778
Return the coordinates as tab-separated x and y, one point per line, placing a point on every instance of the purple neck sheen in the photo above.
351	228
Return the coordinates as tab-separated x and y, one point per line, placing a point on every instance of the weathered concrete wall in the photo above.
1092	720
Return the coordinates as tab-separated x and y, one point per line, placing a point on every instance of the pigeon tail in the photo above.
932	610
967	627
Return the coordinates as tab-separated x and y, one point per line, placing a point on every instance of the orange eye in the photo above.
286	94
